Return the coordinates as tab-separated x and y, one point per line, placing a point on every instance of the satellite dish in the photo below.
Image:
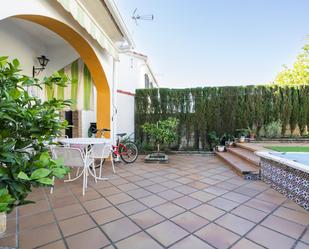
136	17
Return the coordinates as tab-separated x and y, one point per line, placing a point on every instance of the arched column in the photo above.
89	57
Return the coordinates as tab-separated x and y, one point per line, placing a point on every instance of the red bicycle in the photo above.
124	148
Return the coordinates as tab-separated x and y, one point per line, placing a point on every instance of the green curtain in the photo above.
76	71
87	88
49	92
60	89
74	84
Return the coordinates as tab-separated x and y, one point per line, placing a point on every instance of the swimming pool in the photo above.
299	157
288	173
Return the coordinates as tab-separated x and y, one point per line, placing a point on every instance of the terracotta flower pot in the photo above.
2	223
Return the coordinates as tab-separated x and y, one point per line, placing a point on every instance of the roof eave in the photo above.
119	22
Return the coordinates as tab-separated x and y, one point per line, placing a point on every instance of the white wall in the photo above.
18	41
128	73
26	41
87	118
145	70
125	113
131	70
15	44
60	56
128	79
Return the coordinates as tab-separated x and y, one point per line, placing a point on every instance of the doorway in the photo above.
68	116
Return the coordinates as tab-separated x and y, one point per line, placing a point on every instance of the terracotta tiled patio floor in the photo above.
193	202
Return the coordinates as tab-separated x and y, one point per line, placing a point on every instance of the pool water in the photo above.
299	157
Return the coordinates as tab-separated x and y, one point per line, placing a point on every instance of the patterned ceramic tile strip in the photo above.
290	182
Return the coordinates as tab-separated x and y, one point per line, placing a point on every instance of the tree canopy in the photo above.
299	73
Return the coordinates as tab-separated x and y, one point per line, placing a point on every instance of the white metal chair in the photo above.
57	139
102	152
73	157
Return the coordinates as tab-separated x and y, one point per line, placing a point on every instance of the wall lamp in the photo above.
43	63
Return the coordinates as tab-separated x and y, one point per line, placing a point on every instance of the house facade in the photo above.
88	41
134	72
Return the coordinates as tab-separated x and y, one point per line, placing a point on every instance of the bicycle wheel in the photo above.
129	152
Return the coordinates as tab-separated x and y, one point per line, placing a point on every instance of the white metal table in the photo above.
87	142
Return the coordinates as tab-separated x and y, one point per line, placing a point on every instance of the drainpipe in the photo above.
114	104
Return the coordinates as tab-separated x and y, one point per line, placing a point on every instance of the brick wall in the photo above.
77	123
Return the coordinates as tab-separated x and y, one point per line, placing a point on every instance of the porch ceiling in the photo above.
37	32
103	17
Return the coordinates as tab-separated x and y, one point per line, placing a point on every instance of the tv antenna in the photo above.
136	17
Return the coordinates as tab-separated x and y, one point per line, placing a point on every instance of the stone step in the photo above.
245	154
247	146
253	147
241	166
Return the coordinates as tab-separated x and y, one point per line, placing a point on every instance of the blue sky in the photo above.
218	42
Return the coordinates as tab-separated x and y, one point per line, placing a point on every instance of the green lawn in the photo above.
289	148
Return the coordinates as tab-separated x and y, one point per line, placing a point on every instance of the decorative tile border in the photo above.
292	183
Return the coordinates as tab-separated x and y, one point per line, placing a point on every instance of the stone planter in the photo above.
156	158
2	224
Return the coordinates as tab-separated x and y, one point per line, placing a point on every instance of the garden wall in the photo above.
223	110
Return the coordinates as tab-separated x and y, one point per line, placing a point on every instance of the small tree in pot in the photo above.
27	124
162	132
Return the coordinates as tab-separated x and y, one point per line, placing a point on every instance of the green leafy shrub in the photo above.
213	140
225	138
162	132
273	130
146	147
243	132
203	110
27	124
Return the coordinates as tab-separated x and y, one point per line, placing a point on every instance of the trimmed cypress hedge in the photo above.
222	109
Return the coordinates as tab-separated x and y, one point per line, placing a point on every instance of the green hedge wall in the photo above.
223	109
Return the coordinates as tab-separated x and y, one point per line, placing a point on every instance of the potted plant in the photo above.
162	132
252	133
215	142
26	125
220	148
242	134
227	139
